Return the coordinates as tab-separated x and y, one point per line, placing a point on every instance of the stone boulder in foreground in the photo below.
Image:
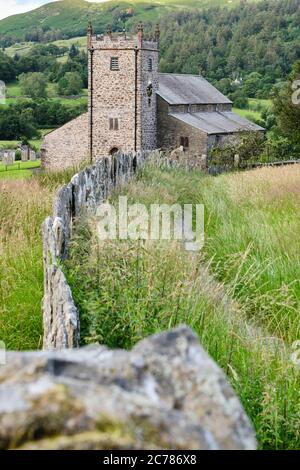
164	394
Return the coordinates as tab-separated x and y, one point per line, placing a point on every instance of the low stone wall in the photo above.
86	190
164	394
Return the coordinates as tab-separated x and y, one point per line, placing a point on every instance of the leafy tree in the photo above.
33	85
74	51
252	84
17	125
70	84
286	105
7	68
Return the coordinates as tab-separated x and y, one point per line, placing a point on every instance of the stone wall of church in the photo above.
122	94
171	129
67	146
148	104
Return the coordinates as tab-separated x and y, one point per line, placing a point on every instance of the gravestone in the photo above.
25	153
9	157
32	155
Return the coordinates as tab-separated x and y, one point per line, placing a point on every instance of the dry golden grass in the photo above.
264	185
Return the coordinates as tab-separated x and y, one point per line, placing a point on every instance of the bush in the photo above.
18	155
70	84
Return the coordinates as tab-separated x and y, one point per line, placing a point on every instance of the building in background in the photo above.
133	107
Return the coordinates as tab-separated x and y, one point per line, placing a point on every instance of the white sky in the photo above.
12	7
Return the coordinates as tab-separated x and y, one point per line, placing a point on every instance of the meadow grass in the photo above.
19	170
248	114
24	204
240	294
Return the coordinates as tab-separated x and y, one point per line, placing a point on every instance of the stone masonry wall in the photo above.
171	129
164	394
67	146
86	190
122	94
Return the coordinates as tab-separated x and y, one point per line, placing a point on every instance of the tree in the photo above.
70	84
252	84
286	105
33	85
74	51
7	68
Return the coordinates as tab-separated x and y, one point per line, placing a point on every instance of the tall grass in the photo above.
245	316
24	204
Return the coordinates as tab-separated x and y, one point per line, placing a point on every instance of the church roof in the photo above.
225	122
189	89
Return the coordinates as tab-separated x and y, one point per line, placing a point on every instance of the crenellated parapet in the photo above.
122	39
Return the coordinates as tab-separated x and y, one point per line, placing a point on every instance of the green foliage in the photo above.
24	118
126	290
7	68
33	85
74	51
228	43
25	201
260	38
286	111
18	155
17	123
70	84
70	18
249	147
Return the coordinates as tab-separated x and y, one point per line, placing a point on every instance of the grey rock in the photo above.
164	394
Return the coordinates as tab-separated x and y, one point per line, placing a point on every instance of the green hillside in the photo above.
69	18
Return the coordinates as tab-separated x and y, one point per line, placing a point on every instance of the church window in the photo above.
150	65
113	124
184	142
114	63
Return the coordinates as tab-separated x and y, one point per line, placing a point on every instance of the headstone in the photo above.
24	153
32	155
8	157
236	160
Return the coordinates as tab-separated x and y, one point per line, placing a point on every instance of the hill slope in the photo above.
69	18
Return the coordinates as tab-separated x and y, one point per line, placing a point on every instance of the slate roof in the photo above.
225	122
189	89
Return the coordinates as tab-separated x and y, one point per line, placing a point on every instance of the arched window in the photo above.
114	150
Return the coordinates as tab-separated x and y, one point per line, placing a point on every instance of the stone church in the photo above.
133	107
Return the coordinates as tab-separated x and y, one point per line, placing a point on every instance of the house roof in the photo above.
188	89
225	122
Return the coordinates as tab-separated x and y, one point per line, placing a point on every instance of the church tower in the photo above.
123	81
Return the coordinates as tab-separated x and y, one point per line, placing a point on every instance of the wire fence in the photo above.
18	166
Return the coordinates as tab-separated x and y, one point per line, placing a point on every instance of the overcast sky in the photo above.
11	7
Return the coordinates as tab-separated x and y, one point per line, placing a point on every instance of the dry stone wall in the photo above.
164	394
86	190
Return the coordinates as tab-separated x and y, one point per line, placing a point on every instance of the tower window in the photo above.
150	65
113	124
114	63
184	142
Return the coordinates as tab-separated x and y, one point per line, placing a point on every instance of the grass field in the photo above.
72	18
254	112
14	92
24	204
241	294
22	48
19	170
